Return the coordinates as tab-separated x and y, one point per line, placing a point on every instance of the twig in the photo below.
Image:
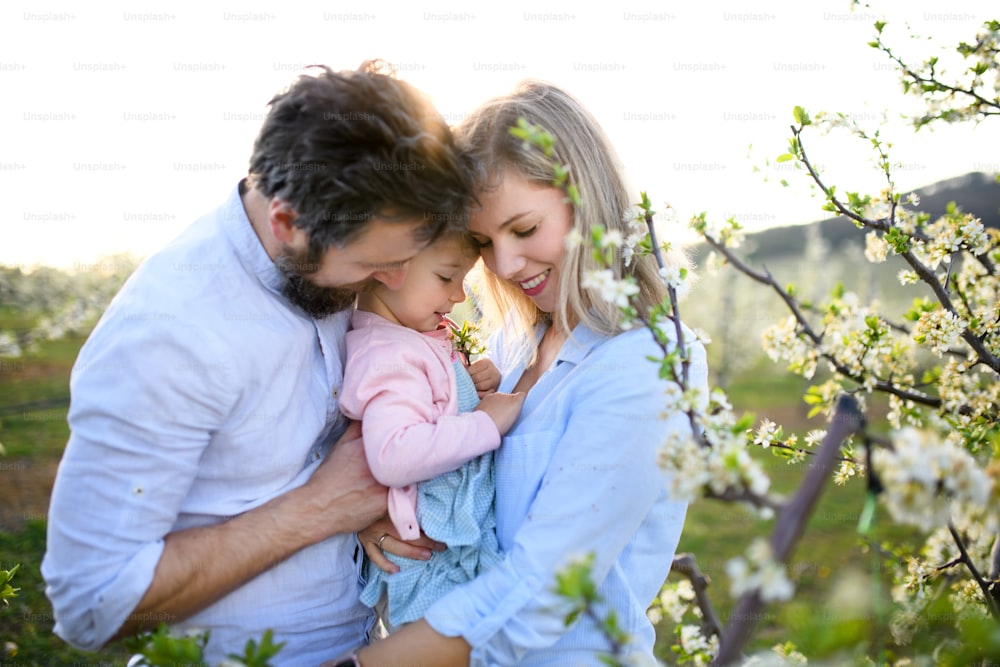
732	495
920	80
921	269
995	559
686	565
768	279
991	603
807	452
952	563
617	647
674	312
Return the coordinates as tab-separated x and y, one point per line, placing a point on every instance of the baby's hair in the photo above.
466	242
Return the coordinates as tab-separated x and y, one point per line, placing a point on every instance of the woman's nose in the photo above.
507	263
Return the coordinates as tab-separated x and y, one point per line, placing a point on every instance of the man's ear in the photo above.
281	216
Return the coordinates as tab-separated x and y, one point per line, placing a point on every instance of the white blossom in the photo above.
940	328
926	476
702	336
761	573
876	248
790	657
846	470
610	289
814	437
765	433
701	649
612	239
714	263
904	625
9	346
573	239
675	600
782	341
672	276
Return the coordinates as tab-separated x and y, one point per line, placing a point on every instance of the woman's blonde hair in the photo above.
594	169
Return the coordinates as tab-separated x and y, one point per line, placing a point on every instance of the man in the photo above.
201	485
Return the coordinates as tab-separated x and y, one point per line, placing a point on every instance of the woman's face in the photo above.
522	230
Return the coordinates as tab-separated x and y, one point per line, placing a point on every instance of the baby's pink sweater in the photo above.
401	385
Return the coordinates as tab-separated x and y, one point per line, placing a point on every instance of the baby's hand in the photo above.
503	409
485	375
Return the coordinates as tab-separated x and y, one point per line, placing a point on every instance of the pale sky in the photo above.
122	123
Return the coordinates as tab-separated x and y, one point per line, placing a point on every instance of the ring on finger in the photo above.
379	543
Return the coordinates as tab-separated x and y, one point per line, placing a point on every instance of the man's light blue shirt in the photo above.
577	474
201	394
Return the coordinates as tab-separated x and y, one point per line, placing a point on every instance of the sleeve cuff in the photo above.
115	603
498	629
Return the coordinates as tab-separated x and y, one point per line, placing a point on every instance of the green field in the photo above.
828	559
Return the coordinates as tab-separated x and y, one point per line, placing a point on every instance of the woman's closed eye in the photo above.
525	233
445	279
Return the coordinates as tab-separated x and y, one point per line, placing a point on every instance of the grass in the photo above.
827	562
40	382
27	619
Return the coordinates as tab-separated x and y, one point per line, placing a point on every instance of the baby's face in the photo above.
433	286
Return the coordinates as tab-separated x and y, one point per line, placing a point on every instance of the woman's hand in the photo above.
485	375
381	538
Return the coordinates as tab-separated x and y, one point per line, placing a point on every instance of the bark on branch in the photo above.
846	421
685	564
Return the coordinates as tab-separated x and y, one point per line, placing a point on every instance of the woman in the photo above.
578	473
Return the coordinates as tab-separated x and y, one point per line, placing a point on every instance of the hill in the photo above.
734	310
977	193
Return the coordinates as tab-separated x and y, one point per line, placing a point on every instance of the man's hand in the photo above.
383	531
200	565
342	495
485	376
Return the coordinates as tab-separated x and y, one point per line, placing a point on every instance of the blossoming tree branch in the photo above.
937	362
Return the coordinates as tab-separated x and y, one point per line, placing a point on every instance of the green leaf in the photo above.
781	453
801	117
879	25
785	157
646	204
744	424
573	194
6	590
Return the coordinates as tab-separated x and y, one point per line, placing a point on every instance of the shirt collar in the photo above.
366	318
249	249
579	344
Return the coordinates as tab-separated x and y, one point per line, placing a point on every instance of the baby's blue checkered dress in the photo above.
456	508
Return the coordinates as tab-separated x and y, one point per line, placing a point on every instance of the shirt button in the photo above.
335	392
315	456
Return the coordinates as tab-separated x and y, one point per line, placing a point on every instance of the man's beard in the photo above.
318	302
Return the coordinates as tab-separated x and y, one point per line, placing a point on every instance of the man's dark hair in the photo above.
344	147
